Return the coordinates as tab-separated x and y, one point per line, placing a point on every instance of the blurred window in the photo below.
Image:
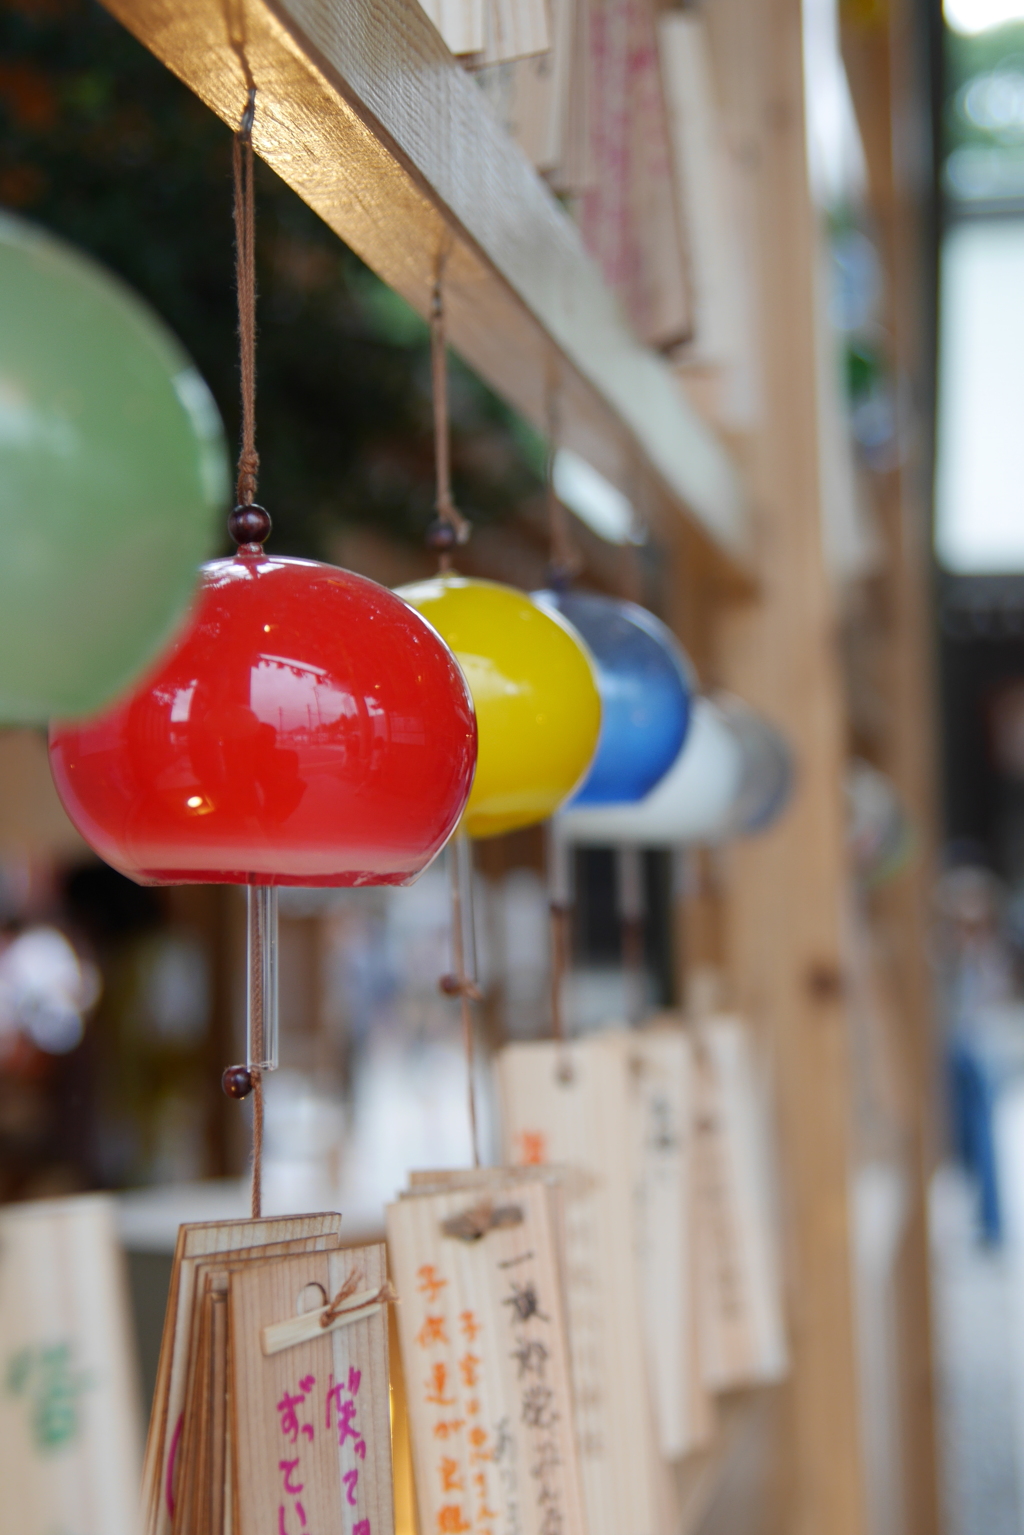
980	466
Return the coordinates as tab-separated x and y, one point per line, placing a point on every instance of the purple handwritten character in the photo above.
350	1479
287	1407
336	1388
288	1467
361	1527
347	1428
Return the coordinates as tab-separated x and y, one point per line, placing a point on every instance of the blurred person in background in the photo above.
984	1023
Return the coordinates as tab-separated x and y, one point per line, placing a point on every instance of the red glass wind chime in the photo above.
307	728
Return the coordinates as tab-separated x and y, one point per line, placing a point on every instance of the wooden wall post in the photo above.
887	67
785	892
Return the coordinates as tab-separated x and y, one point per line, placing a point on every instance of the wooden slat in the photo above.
364	112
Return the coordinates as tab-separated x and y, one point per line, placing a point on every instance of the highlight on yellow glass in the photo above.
534	687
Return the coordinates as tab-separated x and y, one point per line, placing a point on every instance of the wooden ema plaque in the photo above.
663	1092
743	1328
70	1445
272	1403
485	1358
542	98
492	31
572	1105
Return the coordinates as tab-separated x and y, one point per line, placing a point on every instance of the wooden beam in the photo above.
363	111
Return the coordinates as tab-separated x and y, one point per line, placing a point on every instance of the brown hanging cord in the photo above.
564	564
475	1222
560	913
559	956
634	582
257	1144
451	528
245	279
564	559
629	877
347	1299
459	984
248	470
249	525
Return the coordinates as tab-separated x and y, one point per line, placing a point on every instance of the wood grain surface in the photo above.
365	113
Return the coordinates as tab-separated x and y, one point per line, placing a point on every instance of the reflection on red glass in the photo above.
309	728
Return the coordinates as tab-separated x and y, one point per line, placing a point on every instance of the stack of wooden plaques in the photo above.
271	1409
477	1262
492	31
672	1287
578	85
543	99
69	1411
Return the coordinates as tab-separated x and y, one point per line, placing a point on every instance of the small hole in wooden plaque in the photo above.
312	1298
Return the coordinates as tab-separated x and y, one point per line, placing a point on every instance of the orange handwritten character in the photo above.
429	1284
446	1430
470	1326
472	1406
451	1481
478	1438
432	1331
483	1512
451	1520
469	1366
533	1147
437	1385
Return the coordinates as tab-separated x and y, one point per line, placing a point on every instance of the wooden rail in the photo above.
364	112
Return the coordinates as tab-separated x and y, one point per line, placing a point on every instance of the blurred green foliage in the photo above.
970	60
104	146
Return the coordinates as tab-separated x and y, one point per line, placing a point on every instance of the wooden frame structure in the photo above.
367	116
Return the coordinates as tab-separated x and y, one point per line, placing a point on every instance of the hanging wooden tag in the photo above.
460	23
310	1420
69	1412
740	1301
702	174
195	1507
535	96
243	1240
515	29
664	1106
571	1105
484	1355
629	216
